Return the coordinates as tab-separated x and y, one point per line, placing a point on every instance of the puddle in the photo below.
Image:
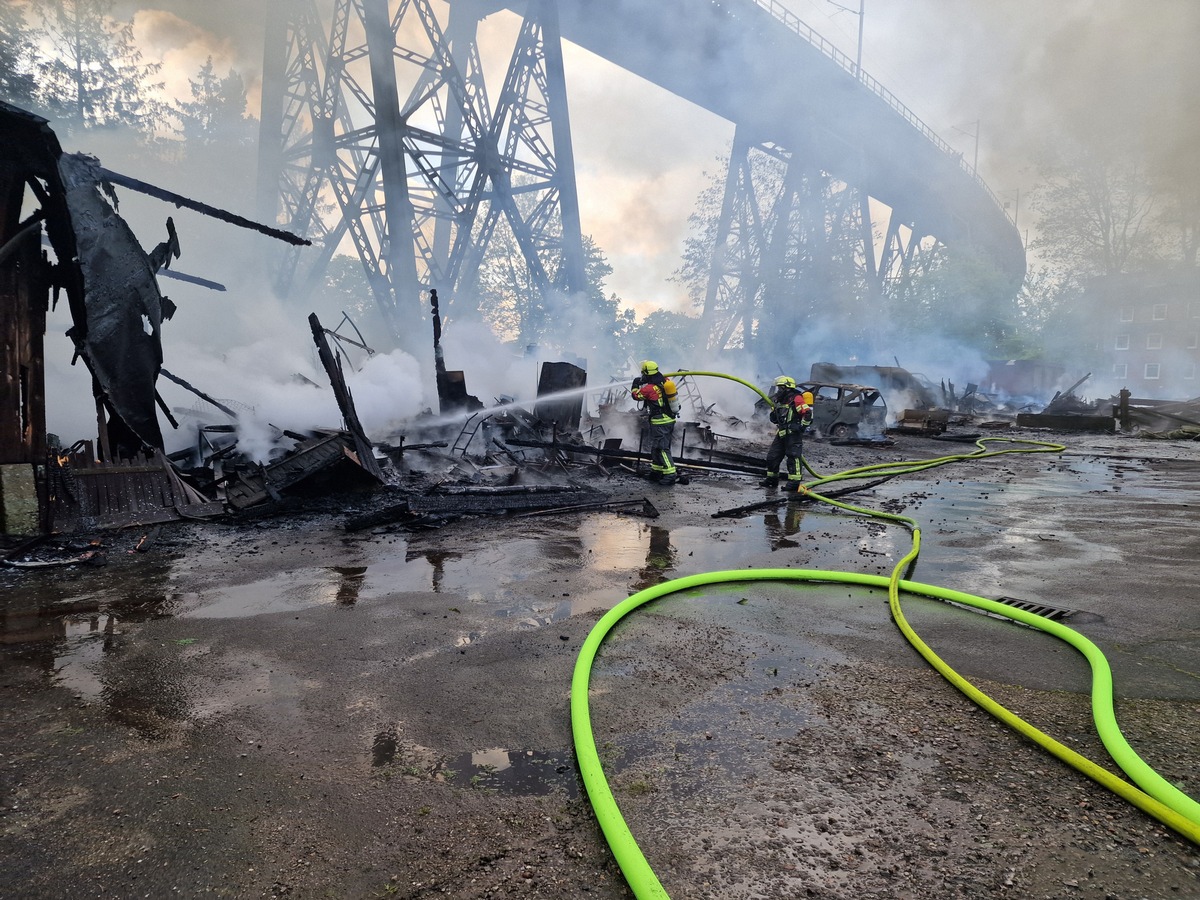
599	559
515	772
494	770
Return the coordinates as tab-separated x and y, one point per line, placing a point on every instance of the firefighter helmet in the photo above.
649	367
783	381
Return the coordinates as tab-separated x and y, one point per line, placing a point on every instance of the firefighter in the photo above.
660	400
791	411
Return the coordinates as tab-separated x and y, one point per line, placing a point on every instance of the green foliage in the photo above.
960	296
1096	205
17	84
95	77
346	288
592	322
668	336
216	114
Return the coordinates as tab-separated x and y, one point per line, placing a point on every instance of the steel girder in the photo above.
786	238
418	183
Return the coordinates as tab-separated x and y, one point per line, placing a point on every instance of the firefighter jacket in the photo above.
659	397
791	413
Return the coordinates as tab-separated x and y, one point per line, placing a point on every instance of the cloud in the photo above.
183	47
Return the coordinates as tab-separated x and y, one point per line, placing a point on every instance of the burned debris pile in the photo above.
469	458
1162	419
117	314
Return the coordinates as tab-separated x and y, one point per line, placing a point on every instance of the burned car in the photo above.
846	410
841	410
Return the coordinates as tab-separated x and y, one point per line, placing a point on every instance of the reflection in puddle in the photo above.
493	770
140	686
660	559
437	563
521	772
284	592
780	531
384	747
352	578
535	615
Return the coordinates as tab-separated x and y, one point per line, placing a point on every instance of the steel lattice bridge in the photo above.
377	128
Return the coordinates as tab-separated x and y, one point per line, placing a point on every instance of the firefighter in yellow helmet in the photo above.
791	411
659	399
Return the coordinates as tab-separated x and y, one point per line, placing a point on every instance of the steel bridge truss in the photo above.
789	239
418	184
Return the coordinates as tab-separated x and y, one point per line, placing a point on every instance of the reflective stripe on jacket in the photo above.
791	414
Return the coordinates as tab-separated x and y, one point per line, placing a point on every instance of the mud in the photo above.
281	707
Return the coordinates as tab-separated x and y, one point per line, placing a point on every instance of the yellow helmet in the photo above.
649	367
783	381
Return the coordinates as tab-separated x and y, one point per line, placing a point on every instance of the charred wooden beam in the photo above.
135	184
739	511
1102	424
199	393
531	500
333	368
641	506
497	503
248	488
752	466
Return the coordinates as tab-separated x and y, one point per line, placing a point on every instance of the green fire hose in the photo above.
1149	792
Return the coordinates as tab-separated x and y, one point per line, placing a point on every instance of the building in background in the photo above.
1147	332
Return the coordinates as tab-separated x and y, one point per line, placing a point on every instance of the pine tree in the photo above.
216	114
17	85
96	77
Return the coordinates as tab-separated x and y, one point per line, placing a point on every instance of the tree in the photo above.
518	311
346	287
668	335
959	295
216	114
1096	205
95	77
1041	305
17	85
219	139
509	299
793	252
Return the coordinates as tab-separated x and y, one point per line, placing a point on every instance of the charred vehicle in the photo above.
841	410
846	410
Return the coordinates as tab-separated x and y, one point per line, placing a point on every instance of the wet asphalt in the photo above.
291	633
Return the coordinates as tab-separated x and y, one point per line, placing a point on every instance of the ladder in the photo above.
468	431
691	391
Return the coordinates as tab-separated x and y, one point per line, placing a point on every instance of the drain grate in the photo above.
1038	609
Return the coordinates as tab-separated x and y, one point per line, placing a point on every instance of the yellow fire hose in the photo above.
1149	792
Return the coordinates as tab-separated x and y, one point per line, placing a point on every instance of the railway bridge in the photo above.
378	128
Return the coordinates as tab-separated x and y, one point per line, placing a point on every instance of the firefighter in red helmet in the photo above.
659	399
791	411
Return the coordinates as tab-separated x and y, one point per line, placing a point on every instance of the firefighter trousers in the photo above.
660	434
788	447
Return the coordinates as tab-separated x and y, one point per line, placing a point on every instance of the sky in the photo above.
992	77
